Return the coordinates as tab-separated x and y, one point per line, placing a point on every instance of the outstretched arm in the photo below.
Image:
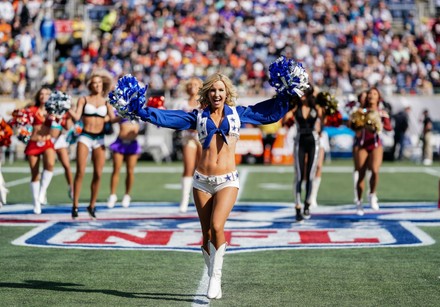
174	119
265	112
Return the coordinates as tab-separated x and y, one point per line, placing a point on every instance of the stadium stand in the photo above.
346	46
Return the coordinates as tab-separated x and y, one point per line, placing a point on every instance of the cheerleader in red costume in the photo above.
5	140
40	146
368	150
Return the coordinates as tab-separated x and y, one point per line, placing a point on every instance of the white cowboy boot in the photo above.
355	181
373	201
35	189
46	178
216	263
314	193
206	257
3	190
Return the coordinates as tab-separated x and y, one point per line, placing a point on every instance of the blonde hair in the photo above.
107	80
191	80
231	92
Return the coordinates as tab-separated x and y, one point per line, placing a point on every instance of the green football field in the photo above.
306	275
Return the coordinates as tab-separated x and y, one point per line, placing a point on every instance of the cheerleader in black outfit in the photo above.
307	116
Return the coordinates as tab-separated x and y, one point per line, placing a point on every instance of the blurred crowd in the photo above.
346	46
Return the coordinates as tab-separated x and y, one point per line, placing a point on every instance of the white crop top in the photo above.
91	110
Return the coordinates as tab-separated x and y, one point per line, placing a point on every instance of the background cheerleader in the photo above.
367	124
40	145
307	117
94	111
58	104
124	148
5	140
331	117
191	147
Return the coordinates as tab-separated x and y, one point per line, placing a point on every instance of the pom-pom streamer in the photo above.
328	102
5	133
358	119
156	102
373	121
74	132
128	97
24	133
58	103
21	117
288	77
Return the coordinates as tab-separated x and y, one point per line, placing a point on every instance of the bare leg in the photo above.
224	201
82	153
131	161
63	157
203	202
98	159
117	163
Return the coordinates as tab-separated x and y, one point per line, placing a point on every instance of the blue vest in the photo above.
207	129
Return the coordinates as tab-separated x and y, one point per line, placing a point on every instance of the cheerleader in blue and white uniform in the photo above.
216	182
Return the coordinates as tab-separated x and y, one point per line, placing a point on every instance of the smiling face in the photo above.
96	85
217	95
217	90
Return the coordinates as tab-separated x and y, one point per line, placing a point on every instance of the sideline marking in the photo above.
203	289
24	180
243	174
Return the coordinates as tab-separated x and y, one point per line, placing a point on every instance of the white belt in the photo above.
216	179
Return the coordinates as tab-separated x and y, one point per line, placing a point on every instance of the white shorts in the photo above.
92	141
60	142
213	184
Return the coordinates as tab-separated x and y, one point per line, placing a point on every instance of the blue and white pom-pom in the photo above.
58	103
128	97
288	77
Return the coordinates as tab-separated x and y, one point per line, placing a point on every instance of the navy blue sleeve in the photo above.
265	112
174	119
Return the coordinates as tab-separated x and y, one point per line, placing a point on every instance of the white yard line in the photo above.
243	174
243	170
432	171
14	183
200	298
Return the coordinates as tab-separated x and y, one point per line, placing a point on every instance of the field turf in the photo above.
394	276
